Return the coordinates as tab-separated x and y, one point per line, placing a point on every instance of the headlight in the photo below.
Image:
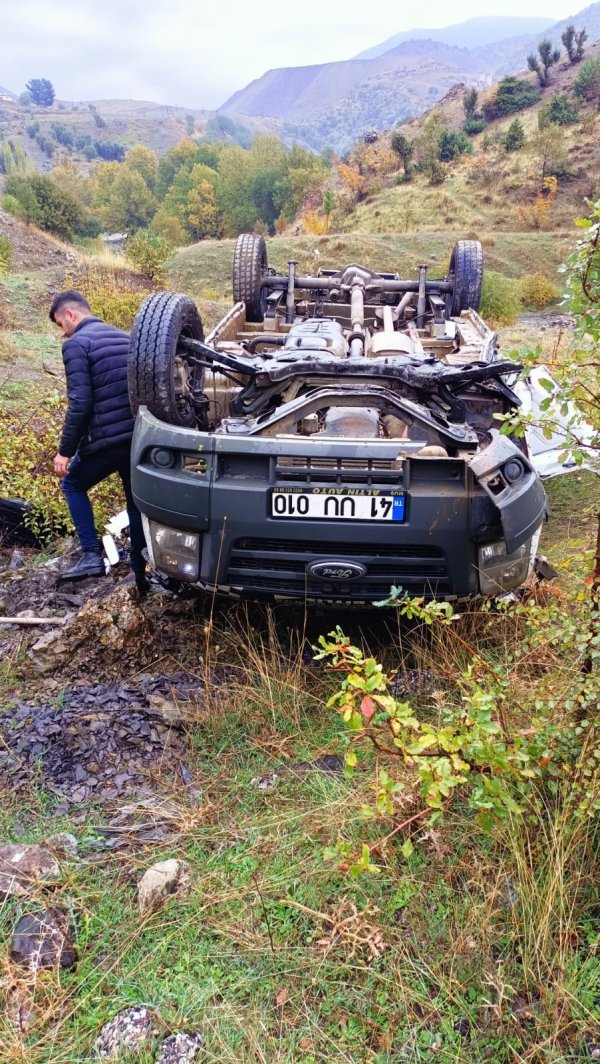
174	553
499	571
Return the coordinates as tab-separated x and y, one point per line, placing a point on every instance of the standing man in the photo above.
97	431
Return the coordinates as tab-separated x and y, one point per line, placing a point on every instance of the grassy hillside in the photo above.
491	191
205	269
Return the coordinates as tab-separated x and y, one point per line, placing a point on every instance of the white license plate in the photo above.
338	506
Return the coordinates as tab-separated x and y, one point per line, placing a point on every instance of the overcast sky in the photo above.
196	54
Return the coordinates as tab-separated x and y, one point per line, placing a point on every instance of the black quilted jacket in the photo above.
99	414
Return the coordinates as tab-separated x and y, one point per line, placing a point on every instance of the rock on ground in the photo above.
179	1048
110	624
44	940
128	1030
160	881
23	867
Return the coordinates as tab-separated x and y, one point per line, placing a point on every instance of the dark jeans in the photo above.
84	473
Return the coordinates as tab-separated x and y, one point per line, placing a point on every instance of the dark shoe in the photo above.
89	565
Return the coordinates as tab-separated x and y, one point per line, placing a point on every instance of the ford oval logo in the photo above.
335	570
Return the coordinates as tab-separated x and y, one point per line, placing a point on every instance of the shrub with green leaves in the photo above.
514	138
559	110
500	299
43	203
538	291
453	144
148	251
587	82
475	741
5	253
512	95
29	439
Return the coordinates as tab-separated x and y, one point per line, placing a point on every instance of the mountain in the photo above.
293	92
474	33
331	104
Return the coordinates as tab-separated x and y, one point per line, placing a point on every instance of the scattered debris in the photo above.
179	1048
24	867
163	880
102	741
128	1030
17	560
44	940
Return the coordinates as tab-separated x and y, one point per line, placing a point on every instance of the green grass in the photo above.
205	268
492	935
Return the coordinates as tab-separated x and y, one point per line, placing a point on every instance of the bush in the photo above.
453	145
587	82
558	111
44	204
501	299
437	174
5	254
514	137
118	308
473	126
512	95
28	443
148	252
538	291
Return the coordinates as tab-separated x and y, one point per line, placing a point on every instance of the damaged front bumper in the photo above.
466	525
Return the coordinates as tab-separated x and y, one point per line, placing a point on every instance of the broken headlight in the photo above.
499	571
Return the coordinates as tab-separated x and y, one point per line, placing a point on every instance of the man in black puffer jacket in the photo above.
96	436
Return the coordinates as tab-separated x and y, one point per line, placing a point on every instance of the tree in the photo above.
547	146
470	99
427	145
41	91
44	204
143	161
404	148
122	198
13	159
587	82
192	200
574	43
559	110
548	56
514	138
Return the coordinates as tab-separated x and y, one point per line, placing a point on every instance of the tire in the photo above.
157	376
250	268
15	529
466	271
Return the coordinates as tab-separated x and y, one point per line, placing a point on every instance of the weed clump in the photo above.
538	291
501	299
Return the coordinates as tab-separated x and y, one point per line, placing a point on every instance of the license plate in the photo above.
338	506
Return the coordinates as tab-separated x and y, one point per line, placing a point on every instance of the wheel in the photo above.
249	270
158	376
466	271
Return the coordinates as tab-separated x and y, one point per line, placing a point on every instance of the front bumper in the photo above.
218	488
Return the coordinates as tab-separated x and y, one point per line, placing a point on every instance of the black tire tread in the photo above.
249	269
161	320
466	270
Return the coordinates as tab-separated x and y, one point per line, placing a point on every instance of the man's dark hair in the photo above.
67	298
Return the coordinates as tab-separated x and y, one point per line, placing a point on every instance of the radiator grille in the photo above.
278	567
339	470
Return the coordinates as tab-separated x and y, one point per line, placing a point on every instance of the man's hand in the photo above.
61	465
